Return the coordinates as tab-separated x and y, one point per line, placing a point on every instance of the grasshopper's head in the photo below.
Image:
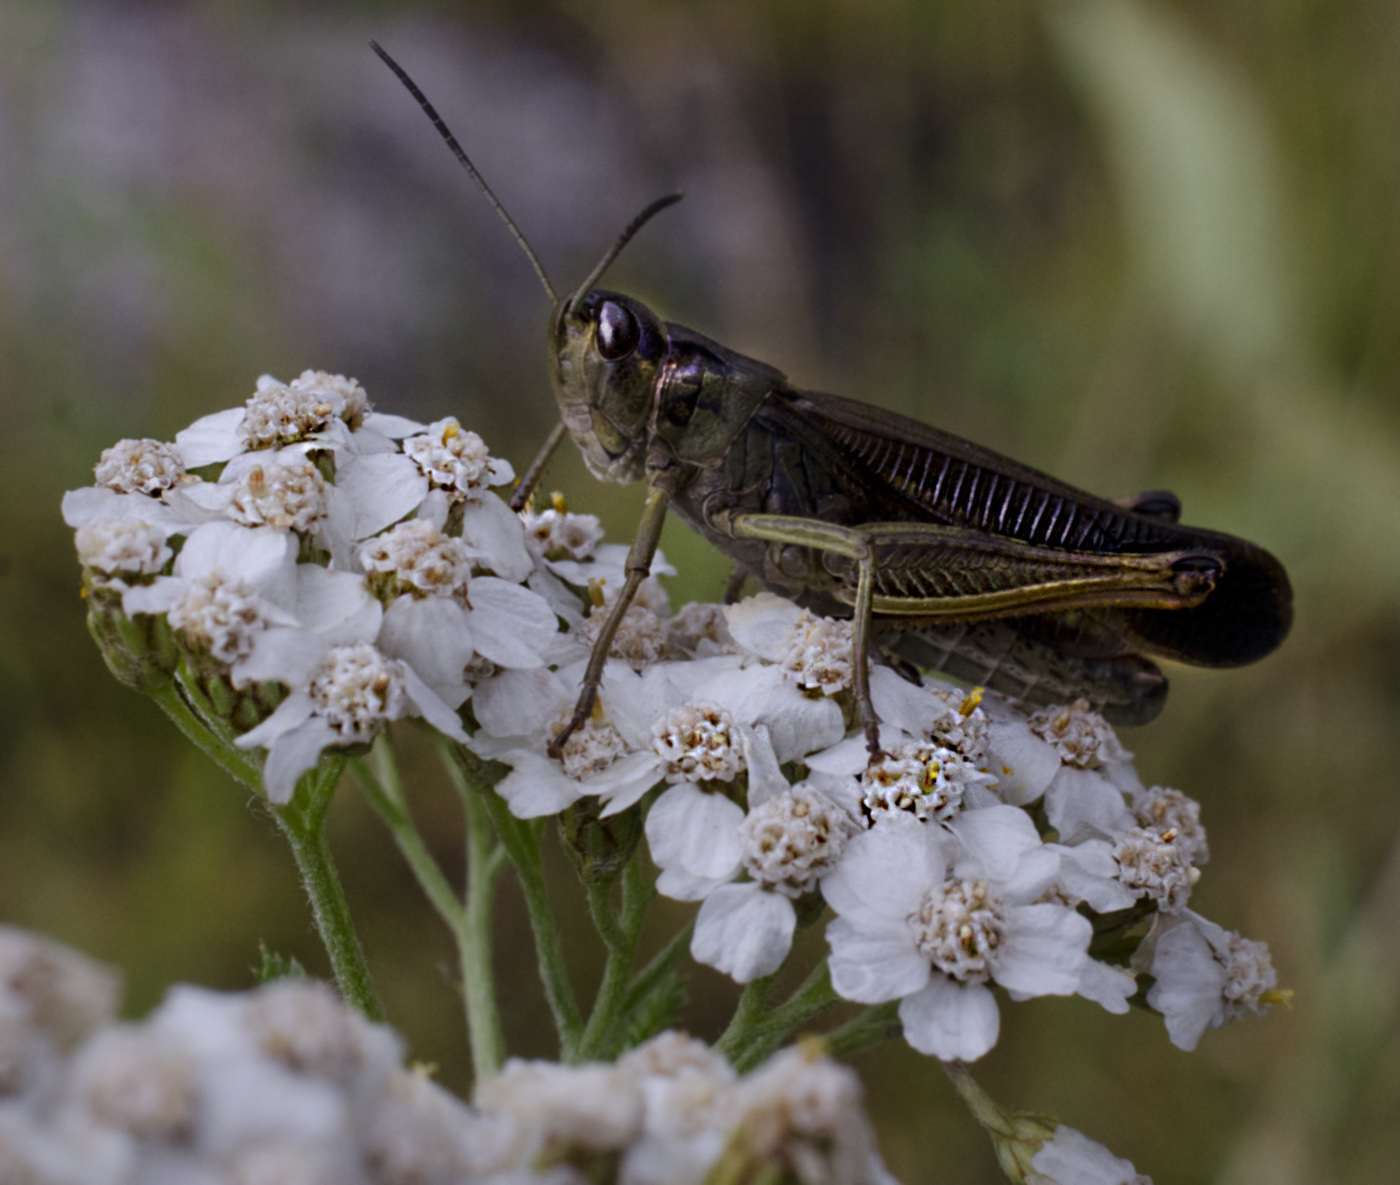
606	352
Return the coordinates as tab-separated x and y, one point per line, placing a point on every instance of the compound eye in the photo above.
618	332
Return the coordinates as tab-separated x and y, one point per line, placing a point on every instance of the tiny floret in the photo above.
279	414
135	1080
456	460
927	781
1156	864
698	742
1251	982
288	496
139	467
640	639
121	547
1171	810
220	615
419	559
817	654
790	841
357	690
559	535
1081	736
301	1024
590	749
958	927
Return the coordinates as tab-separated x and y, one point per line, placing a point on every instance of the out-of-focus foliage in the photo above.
1137	244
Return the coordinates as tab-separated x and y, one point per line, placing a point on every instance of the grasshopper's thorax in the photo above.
607	351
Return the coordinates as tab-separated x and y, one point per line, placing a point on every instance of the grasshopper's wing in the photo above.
920	474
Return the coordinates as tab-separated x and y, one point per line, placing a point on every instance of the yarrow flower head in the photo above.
287	494
140	467
278	414
817	654
698	742
928	914
1080	735
456	460
926	780
115	551
557	534
419	560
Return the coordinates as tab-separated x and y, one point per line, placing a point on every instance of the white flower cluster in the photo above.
965	856
360	565
286	1084
357	564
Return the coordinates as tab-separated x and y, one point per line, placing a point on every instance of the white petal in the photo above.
1043	951
282	655
905	705
336	605
874	962
695	832
263	557
762	624
212	438
381	489
625	781
290	714
513	626
1083	804
1190	983
1071	1158
949	1020
744	931
997	837
518	703
489	525
681	886
1089	873
1110	987
291	755
536	786
432	708
1023	763
884	872
431	635
765	778
394	427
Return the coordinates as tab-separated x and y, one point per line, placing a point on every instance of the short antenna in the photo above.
466	163
616	249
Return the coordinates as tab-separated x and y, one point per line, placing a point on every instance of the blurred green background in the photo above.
1135	244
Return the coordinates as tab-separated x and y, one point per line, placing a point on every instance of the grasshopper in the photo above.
944	554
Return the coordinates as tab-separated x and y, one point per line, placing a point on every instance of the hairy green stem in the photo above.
763	1034
303	823
619	933
240	765
878	1023
521	840
485	859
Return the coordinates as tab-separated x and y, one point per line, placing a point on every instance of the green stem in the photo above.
304	827
764	1034
619	934
521	840
485	859
302	821
877	1023
753	1003
650	977
240	765
385	799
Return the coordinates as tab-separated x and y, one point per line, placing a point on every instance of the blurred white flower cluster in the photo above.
284	1084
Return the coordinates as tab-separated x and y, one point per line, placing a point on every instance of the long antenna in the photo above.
616	249
466	163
